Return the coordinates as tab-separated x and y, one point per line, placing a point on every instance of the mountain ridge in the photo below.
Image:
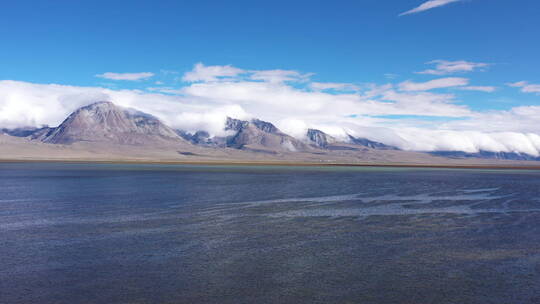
104	122
486	155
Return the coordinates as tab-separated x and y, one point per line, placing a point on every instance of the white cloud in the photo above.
275	100
423	103
433	84
526	87
469	141
428	5
224	73
205	73
321	86
277	76
445	67
126	76
487	89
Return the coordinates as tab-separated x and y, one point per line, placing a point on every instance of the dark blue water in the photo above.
81	233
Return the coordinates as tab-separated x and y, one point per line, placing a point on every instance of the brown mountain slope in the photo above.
106	122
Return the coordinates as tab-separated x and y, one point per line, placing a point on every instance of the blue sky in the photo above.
341	41
364	44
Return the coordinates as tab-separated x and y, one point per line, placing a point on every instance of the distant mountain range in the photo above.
486	155
106	122
103	123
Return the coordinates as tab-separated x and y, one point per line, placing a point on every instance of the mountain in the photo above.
235	124
203	138
106	122
486	155
370	144
319	139
260	136
30	132
41	133
21	132
265	126
253	135
322	140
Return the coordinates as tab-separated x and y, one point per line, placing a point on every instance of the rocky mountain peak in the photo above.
105	122
261	136
235	124
100	105
319	138
265	126
370	144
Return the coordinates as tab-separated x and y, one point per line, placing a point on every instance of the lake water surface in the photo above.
110	233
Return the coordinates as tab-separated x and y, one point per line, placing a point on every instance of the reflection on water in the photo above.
187	234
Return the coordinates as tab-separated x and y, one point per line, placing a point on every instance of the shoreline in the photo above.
279	163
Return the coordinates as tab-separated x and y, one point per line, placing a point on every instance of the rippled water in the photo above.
104	233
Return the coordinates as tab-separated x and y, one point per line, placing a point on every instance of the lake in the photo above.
125	233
